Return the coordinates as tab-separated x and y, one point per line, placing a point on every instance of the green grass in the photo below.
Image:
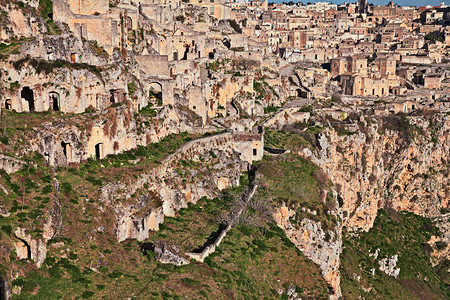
46	67
46	8
119	166
298	183
271	109
285	140
404	234
251	262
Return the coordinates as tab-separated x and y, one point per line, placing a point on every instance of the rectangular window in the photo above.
255	152
211	10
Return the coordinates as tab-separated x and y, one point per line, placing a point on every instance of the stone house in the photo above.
90	22
357	85
433	81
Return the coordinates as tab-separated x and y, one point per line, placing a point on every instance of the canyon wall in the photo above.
377	167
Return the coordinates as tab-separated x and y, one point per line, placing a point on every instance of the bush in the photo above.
306	108
271	109
131	88
66	187
47	189
89	109
148	111
47	67
180	18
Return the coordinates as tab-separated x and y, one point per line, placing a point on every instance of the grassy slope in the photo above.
84	262
251	263
298	183
404	234
291	179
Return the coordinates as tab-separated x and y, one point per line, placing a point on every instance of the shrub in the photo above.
66	187
306	108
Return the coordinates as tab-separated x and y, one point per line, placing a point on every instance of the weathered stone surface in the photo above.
168	192
5	289
411	173
388	266
310	238
168	253
10	164
35	248
3	211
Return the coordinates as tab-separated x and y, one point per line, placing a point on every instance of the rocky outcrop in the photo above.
168	253
441	245
166	190
169	120
388	266
28	247
290	114
53	217
19	23
10	164
5	290
321	247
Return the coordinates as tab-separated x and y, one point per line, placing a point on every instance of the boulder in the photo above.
168	253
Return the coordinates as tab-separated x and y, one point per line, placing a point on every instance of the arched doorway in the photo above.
155	92
129	24
54	101
99	151
28	95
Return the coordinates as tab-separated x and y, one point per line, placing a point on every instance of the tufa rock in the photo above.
168	253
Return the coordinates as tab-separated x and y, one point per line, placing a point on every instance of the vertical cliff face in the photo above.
321	246
386	166
397	163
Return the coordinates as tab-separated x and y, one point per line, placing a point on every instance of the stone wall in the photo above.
210	249
169	192
155	65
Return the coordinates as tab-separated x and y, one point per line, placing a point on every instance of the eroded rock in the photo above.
168	253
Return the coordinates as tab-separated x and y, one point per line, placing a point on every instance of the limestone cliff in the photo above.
322	247
378	166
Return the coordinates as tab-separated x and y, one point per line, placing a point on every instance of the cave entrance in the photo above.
67	150
54	101
99	151
8	105
116	96
28	95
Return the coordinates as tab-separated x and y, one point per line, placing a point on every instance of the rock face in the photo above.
27	247
311	239
5	290
376	168
10	164
388	266
168	253
166	191
441	255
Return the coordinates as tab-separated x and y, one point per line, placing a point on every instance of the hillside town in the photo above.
117	115
205	55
